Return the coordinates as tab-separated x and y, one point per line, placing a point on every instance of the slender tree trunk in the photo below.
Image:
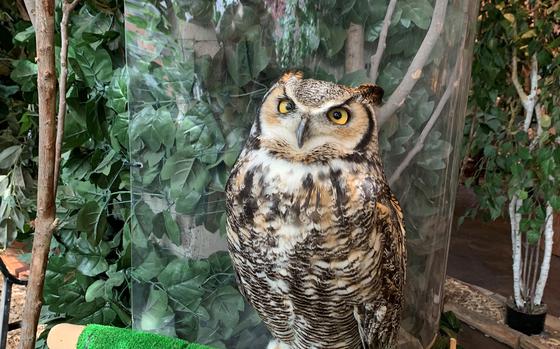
545	266
45	221
515	219
354	52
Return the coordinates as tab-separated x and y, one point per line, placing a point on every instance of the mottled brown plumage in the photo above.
315	234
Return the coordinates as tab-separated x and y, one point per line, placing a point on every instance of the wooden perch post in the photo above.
46	210
354	52
49	153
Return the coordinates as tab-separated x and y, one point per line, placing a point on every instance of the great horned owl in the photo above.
315	235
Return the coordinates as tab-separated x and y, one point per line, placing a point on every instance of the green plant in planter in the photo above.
516	136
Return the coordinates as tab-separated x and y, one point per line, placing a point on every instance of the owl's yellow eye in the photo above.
339	116
286	106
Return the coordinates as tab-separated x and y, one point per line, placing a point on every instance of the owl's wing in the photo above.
378	316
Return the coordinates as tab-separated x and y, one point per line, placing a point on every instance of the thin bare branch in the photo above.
528	100
20	4
453	83
515	78
414	72
30	6
67	8
381	42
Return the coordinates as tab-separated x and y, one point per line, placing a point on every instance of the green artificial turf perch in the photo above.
105	337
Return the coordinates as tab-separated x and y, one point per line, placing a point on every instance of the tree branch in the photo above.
414	72
532	97
30	6
381	42
451	85
354	53
46	211
515	77
529	100
67	8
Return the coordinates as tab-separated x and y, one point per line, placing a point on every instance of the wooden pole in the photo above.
354	53
45	222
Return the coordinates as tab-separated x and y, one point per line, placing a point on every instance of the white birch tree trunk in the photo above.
528	101
545	266
515	219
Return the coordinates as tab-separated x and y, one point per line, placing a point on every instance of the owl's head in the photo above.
308	120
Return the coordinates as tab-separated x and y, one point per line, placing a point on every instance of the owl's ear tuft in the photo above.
297	74
371	93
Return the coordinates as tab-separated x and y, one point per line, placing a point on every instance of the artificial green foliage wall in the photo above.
87	276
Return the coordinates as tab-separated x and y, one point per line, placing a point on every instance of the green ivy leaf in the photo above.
144	216
154	128
238	63
418	12
225	304
9	156
92	66
189	203
95	290
149	267
91	263
25	74
355	78
177	169
116	93
184	280
172	228
25	35
332	38
92	219
259	57
157	315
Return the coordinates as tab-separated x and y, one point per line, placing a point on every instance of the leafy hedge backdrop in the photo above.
191	107
86	281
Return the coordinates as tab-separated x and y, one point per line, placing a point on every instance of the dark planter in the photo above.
527	323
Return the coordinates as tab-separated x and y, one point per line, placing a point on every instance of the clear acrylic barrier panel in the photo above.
198	71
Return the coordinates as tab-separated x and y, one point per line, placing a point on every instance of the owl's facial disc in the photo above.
309	120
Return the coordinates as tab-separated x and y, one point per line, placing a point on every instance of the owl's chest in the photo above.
280	208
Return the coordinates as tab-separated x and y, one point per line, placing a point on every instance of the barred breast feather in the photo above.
318	249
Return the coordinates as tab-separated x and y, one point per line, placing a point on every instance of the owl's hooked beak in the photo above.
301	132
